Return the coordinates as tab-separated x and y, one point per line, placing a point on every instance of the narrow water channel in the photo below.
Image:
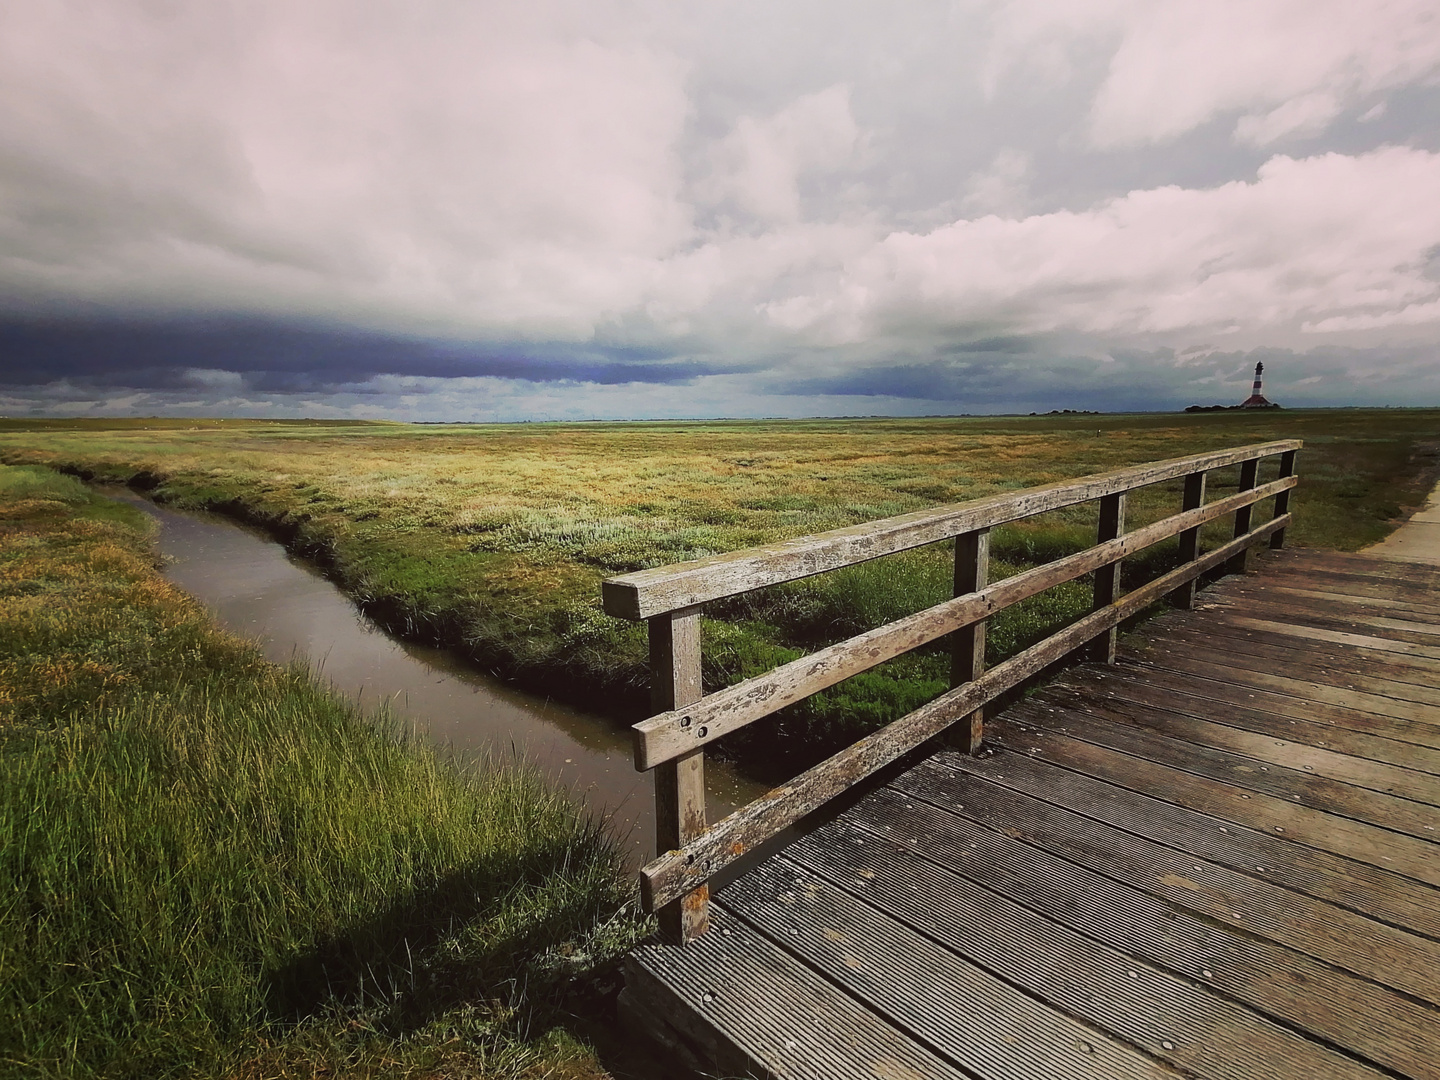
257	590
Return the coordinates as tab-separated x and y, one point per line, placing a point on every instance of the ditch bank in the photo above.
259	590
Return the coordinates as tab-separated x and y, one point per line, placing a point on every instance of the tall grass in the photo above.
211	865
494	540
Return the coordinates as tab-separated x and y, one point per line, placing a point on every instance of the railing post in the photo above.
1282	501
1248	472
679	784
1107	578
1184	596
967	659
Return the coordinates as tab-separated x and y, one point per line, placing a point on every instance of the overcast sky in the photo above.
450	209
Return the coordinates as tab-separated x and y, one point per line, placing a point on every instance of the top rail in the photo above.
665	589
685	720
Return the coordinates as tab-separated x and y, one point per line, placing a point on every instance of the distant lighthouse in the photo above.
1256	400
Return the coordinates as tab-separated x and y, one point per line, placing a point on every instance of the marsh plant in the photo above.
212	865
493	540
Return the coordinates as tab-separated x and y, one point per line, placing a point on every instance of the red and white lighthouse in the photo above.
1256	400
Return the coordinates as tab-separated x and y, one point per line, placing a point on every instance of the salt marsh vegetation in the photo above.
493	539
213	866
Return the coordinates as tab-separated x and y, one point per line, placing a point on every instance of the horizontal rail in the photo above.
668	735
672	588
678	872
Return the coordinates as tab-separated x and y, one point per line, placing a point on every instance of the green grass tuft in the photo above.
212	865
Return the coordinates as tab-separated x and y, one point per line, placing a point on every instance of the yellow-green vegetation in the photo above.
494	539
209	865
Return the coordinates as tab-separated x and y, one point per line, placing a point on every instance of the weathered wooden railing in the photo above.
671	742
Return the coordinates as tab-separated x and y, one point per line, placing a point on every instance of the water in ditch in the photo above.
257	590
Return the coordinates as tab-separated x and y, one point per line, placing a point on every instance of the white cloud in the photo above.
1288	66
446	164
1327	237
1002	188
1298	117
1409	315
760	163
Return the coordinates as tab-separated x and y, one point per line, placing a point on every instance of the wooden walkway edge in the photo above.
1218	858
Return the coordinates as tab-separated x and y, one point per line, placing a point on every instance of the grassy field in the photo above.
211	866
493	540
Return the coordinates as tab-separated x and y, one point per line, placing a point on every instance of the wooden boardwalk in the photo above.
1217	858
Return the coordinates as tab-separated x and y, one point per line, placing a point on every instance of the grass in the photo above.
493	540
209	865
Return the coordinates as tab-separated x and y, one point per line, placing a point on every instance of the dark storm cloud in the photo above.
990	345
1011	381
288	358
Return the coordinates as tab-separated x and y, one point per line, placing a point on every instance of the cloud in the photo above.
1183	63
1308	240
1288	67
759	165
1410	315
433	164
1302	116
218	355
278	205
1002	188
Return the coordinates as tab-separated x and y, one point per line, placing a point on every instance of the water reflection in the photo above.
257	590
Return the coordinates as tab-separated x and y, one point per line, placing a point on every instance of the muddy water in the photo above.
259	591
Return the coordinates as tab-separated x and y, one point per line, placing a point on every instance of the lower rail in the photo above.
685	720
675	873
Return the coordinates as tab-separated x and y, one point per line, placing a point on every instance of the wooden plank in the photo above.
1335	605
1312	615
1233	653
1364	653
967	648
1389	587
749	1008
1380	894
1251	648
1302	689
1407	783
1214	693
675	680
667	588
1319	828
1364	946
1187	1025
1338	637
662	1021
1332	606
1125	692
675	873
1379	566
1107	577
1421	612
669	734
1358	571
1372	1021
1335	592
1360	566
1249	774
903	976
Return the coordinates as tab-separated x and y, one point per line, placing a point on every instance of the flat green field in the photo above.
493	539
